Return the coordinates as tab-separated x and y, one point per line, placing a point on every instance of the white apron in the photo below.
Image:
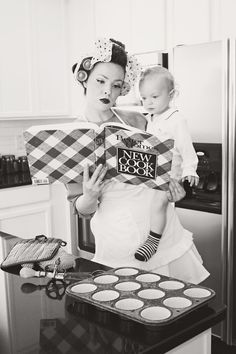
121	225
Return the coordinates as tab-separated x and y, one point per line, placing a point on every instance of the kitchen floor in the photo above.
219	347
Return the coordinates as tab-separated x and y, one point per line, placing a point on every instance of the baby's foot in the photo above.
149	248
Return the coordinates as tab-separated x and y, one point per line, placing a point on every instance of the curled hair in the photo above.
118	56
161	71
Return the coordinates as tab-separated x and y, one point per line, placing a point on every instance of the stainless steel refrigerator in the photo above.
205	77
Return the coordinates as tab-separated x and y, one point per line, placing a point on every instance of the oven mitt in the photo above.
67	261
41	251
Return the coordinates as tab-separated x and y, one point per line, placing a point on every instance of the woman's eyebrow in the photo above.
105	77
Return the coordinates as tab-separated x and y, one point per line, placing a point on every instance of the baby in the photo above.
157	89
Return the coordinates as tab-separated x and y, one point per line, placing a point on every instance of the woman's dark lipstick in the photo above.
105	100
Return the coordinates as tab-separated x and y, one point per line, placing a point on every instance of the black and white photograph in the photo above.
117	176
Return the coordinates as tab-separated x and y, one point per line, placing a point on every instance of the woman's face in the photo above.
104	85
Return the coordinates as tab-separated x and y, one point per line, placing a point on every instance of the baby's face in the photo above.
155	94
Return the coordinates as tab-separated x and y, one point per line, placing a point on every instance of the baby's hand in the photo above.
193	180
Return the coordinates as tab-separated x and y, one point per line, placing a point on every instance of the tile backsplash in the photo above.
11	133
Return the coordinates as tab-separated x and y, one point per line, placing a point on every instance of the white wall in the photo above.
41	40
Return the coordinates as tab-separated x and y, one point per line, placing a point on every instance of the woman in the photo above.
120	213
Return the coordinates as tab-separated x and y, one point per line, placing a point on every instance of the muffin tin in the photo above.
141	296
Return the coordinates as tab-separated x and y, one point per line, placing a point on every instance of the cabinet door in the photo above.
190	21
27	221
112	20
140	24
34	210
49	57
33	66
16	296
15	59
26	211
62	220
148	25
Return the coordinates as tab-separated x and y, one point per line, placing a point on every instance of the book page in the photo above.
121	126
129	127
117	125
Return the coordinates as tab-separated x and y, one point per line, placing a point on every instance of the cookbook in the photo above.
59	153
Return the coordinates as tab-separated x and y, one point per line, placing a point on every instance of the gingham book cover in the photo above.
58	153
138	157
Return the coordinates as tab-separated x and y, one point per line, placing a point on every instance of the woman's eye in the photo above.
155	96
117	86
100	81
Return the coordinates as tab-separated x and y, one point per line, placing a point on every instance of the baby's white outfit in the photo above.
173	125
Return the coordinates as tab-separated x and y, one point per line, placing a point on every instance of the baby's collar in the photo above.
167	114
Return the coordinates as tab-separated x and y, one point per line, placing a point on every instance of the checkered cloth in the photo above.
60	154
142	158
61	336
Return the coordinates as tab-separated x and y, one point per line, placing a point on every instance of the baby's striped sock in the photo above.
149	248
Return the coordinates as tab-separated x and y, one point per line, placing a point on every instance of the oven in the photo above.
84	243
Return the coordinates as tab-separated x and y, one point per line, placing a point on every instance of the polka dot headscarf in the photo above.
103	53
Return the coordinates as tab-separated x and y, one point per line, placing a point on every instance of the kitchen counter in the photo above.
14	180
43	319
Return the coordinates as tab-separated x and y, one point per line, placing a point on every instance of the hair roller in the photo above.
87	64
81	75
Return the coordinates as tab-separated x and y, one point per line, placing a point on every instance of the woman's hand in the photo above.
93	185
87	203
176	192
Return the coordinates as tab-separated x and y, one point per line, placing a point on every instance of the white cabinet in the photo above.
20	330
199	21
190	21
148	25
140	24
62	220
34	210
112	20
25	211
15	61
33	65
